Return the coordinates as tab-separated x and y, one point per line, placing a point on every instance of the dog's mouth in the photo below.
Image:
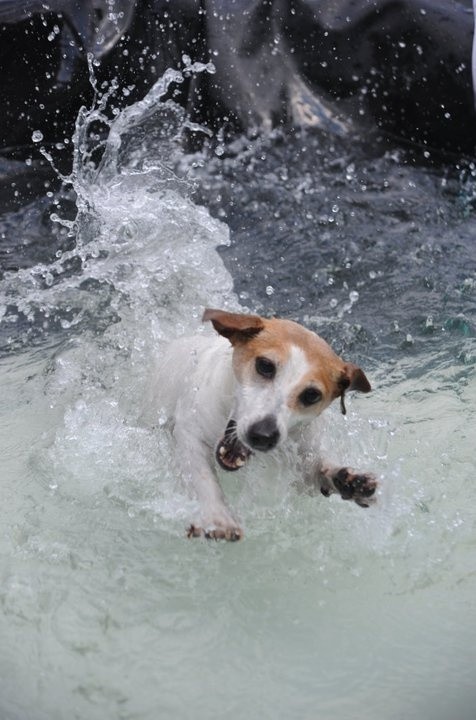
231	453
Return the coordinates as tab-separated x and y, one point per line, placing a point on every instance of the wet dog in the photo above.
247	390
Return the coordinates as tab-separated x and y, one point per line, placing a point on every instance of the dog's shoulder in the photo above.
190	371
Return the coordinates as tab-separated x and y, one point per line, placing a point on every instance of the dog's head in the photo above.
285	375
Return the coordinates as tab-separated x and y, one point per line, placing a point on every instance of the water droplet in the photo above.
269	290
162	418
37	136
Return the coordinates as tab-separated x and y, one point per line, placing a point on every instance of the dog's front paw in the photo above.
231	533
359	487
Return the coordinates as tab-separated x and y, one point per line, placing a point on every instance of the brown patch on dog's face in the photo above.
306	370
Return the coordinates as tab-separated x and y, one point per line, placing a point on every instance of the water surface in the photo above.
324	610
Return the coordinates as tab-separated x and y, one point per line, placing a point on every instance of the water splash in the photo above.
137	242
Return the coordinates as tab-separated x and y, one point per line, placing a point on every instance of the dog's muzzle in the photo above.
231	453
263	435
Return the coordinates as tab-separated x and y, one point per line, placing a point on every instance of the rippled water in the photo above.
324	610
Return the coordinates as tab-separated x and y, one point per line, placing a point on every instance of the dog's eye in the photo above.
310	396
265	367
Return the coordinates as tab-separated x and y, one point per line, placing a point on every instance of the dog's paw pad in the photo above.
232	534
359	487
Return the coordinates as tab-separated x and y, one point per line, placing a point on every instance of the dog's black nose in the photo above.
264	434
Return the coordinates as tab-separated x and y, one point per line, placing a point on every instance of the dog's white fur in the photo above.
204	382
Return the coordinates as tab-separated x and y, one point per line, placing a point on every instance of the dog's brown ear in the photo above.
234	326
352	378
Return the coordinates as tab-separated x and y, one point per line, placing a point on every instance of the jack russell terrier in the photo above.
245	391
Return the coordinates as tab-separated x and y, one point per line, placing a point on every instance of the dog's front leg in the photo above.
216	519
320	476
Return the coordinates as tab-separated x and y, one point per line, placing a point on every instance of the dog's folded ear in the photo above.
357	379
352	378
236	327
